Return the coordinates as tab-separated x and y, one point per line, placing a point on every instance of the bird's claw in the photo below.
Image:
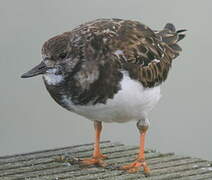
100	156
93	161
135	166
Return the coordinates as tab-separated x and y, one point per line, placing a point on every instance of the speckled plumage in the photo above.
97	51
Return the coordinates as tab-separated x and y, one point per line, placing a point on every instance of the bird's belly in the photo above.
132	102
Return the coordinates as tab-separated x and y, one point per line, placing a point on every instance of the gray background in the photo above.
30	120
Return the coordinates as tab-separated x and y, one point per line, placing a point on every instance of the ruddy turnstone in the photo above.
109	70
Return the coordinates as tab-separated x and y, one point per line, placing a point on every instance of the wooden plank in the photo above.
43	165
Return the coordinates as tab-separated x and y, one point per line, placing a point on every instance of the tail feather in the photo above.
171	37
181	36
170	26
176	47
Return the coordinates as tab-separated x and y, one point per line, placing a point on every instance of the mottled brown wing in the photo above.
148	55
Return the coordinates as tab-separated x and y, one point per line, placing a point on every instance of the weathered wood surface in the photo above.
42	165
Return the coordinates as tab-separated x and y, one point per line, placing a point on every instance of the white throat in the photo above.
52	78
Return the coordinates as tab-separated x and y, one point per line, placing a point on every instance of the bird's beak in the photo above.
39	69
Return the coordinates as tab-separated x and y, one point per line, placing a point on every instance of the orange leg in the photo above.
140	160
97	155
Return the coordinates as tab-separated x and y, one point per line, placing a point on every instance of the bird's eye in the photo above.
63	55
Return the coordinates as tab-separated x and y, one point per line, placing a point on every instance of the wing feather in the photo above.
149	53
146	54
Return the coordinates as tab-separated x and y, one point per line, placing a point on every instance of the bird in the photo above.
109	70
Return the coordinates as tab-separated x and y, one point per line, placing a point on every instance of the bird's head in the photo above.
57	58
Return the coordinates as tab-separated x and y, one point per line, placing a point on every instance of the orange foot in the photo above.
95	160
135	166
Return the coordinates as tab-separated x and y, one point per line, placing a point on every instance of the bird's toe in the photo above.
93	161
135	167
100	156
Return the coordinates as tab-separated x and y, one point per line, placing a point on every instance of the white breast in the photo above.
132	102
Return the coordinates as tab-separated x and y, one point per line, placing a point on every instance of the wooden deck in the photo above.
43	165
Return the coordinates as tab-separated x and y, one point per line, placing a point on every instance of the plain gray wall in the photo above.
30	120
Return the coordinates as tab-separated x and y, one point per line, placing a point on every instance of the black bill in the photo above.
39	69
